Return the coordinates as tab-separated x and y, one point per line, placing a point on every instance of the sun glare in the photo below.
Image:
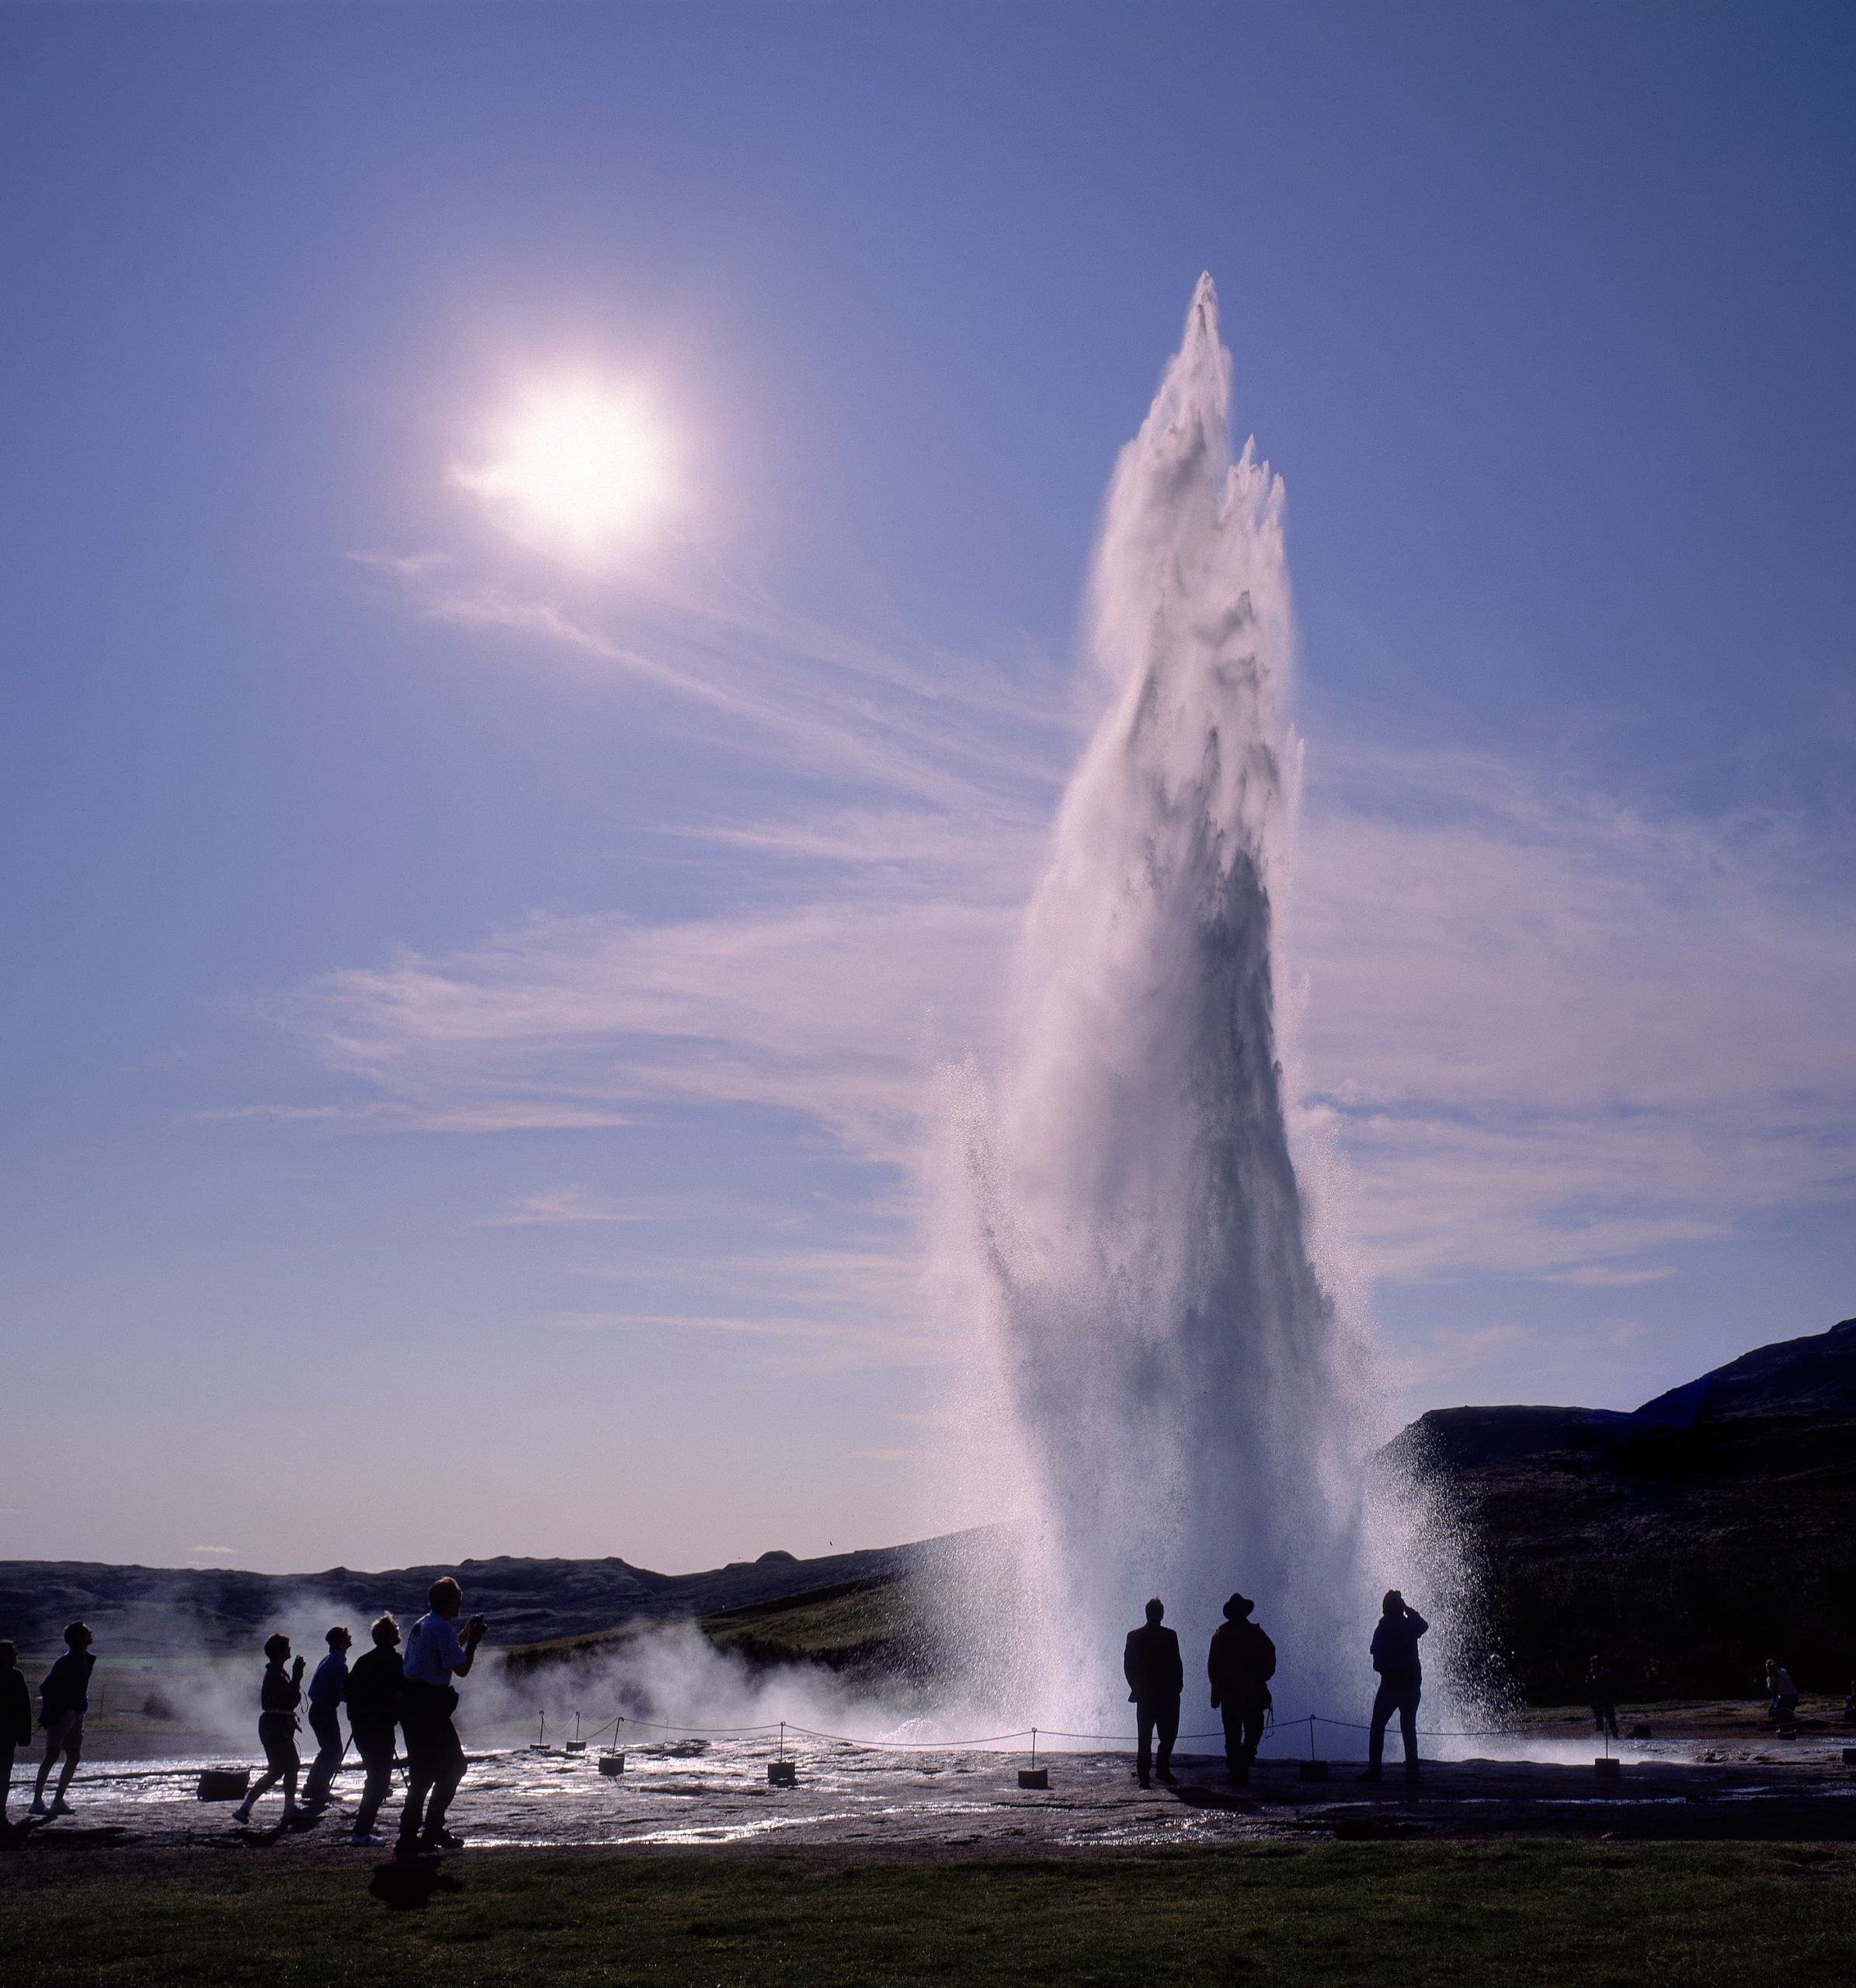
580	467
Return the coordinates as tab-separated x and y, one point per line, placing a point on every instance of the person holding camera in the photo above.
280	1693
1395	1655
436	1651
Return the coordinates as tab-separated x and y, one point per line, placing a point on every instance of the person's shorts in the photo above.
63	1730
277	1734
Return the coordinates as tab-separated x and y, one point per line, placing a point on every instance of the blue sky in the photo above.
470	1016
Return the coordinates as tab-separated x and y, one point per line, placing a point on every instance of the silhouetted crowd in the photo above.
386	1695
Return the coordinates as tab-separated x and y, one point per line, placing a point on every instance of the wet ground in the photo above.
875	1800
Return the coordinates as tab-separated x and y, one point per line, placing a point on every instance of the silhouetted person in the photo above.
1156	1677
436	1653
1401	1682
16	1720
327	1690
63	1698
280	1693
1603	1697
1241	1663
373	1710
1783	1692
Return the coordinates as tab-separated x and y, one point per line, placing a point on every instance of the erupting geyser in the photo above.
1169	1386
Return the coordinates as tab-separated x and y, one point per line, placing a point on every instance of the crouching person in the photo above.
436	1653
373	1710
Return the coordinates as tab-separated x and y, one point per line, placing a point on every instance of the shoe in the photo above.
1144	1781
406	1846
1372	1774
1166	1774
368	1841
443	1840
38	1806
292	1812
242	1813
59	1806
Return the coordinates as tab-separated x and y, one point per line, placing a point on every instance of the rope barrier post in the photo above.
1604	1767
783	1773
1035	1776
1312	1769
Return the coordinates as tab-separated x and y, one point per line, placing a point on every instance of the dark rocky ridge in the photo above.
164	1611
1712	1528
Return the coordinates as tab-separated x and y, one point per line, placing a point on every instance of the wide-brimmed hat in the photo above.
1238	1607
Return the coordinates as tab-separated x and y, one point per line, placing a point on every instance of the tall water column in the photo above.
1173	1399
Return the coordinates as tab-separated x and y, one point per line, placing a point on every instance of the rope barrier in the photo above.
998	1738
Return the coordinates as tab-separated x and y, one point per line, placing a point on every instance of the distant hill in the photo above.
1712	1528
151	1611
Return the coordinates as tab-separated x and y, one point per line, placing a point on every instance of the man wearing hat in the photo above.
1241	1663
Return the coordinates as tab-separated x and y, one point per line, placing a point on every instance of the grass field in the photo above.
1395	1915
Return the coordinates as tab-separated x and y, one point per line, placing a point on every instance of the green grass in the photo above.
1563	1915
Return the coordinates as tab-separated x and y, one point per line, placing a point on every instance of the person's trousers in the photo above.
1243	1735
6	1774
1604	1718
64	1736
435	1761
1395	1695
374	1744
1151	1715
326	1723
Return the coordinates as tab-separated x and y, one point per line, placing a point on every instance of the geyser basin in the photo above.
966	1800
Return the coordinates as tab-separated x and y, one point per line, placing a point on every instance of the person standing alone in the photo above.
1401	1682
436	1653
374	1709
1241	1663
1150	1662
327	1690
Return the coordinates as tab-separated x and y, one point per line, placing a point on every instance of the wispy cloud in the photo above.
1554	1034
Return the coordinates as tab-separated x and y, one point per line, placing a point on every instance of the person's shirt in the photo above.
433	1651
1782	1686
279	1691
330	1686
16	1708
1151	1661
374	1687
1395	1647
67	1685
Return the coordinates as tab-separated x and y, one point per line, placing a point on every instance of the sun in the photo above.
580	466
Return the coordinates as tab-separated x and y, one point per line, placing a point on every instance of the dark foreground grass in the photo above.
1567	1914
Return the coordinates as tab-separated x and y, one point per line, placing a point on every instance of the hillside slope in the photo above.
147	1611
1711	1528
